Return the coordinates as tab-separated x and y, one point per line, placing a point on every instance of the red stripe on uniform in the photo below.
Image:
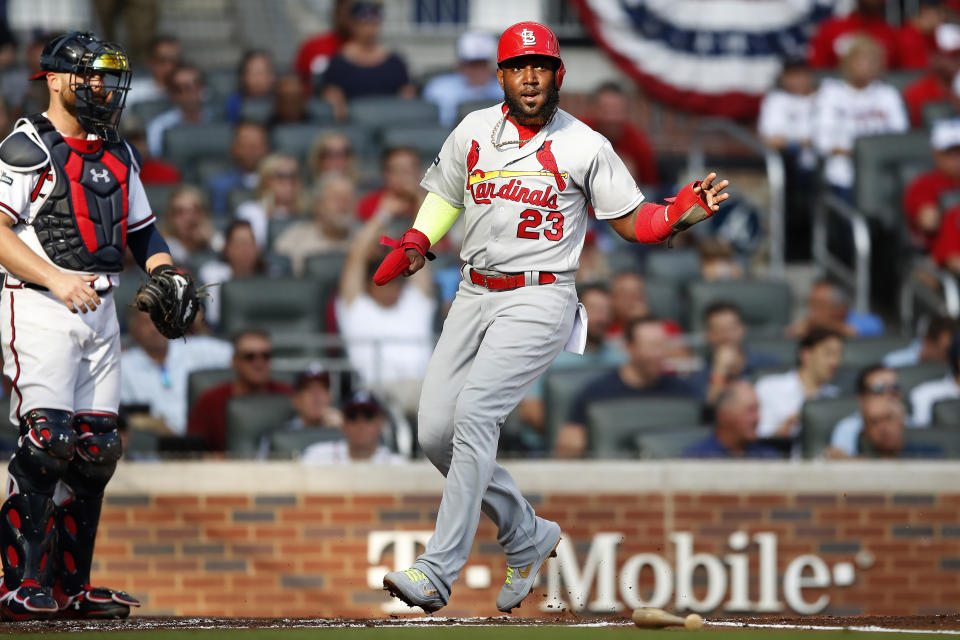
9	211
16	358
43	178
78	196
120	171
137	225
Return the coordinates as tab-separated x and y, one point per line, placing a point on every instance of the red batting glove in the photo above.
397	261
656	223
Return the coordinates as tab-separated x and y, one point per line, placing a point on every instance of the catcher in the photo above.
71	202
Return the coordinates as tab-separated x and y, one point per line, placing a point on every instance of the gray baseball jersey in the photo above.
525	208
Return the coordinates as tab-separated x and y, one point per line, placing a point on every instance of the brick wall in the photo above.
228	549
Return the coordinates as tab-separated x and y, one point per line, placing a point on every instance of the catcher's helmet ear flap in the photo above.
530	39
101	79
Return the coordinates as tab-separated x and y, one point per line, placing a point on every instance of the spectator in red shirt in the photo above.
935	86
400	195
830	42
252	352
610	116
921	200
917	36
315	52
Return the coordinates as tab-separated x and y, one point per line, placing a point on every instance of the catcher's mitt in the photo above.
172	300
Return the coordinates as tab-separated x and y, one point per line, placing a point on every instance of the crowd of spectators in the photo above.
260	209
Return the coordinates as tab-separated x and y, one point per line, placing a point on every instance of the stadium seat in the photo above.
290	444
934	111
473	105
278	303
222	82
783	349
425	139
817	419
915	375
186	143
676	265
149	109
158	195
664	300
257	110
765	304
611	424
667	443
862	352
947	439
203	380
561	387
250	418
946	413
324	268
319	111
140	444
276	227
878	161
389	111
298	139
9	434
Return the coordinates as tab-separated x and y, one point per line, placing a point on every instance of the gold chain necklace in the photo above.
502	123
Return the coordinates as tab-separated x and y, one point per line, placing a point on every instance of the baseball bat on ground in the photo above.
650	617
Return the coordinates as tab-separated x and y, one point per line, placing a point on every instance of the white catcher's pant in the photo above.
494	345
58	359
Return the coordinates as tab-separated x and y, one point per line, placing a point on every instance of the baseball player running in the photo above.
72	202
524	173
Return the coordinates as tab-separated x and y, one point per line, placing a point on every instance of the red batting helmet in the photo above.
530	39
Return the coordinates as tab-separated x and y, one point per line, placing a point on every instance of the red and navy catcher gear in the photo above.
530	39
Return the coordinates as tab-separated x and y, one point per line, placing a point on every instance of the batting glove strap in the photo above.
396	261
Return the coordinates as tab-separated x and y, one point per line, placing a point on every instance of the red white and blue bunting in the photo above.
709	56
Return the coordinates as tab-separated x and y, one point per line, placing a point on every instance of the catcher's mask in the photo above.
100	79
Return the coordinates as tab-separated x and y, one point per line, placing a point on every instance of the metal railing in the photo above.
776	179
914	289
856	277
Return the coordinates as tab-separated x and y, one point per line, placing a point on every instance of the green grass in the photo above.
477	633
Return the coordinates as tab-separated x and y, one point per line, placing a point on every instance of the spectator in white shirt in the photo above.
363	424
313	404
786	113
388	330
187	90
163	59
858	105
473	80
278	196
782	395
924	396
154	372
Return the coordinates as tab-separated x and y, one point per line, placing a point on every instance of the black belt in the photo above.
38	287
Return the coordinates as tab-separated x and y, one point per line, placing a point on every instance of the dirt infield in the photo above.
937	623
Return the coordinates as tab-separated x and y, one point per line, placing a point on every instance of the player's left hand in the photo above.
710	191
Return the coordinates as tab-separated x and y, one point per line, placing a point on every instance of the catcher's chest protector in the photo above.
83	223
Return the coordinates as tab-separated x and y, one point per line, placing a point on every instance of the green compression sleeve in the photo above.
435	217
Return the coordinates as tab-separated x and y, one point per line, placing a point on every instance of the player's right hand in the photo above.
416	262
74	291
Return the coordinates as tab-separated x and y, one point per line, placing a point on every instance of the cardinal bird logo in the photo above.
548	162
473	157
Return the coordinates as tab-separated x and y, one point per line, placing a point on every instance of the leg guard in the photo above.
98	449
27	530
